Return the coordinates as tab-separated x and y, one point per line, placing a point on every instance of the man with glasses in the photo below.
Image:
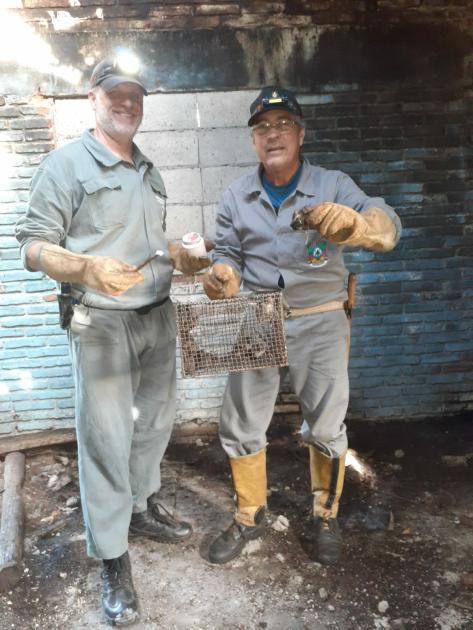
283	228
95	223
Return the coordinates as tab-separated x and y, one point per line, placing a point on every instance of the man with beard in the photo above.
96	212
258	241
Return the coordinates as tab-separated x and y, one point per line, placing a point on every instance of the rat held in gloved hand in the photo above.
372	228
221	282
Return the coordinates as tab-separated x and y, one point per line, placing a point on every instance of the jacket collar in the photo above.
304	185
105	157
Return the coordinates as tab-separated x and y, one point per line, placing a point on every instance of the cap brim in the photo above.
269	108
110	82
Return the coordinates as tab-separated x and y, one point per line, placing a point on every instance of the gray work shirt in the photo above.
261	245
89	201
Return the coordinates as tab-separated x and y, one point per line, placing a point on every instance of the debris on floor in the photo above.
406	516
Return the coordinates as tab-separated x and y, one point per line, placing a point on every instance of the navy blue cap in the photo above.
274	98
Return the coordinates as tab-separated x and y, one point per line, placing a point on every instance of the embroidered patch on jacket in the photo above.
317	254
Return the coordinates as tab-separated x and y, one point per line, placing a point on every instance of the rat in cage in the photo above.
232	335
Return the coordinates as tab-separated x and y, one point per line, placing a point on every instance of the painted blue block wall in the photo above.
412	346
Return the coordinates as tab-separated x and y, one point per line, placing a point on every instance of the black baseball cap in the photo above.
274	98
111	71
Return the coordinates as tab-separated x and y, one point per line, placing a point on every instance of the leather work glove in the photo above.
372	229
183	261
221	282
100	273
110	275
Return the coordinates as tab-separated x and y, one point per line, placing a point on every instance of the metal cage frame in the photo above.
222	336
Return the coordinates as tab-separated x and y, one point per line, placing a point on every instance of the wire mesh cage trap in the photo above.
221	336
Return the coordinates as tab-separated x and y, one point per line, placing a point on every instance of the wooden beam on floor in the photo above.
12	522
37	439
183	432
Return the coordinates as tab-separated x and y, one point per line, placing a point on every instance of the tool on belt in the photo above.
351	299
334	305
66	302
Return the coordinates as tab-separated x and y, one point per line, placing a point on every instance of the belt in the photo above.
144	310
335	305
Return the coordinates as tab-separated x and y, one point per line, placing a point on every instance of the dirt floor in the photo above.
407	517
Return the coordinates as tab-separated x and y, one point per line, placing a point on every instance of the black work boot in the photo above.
119	601
159	524
328	540
230	543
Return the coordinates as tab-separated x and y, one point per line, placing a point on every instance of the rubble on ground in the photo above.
408	542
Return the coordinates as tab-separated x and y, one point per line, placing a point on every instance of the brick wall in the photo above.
412	348
114	15
197	46
35	374
394	114
187	136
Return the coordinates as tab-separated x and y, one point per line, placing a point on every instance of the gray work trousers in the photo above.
318	368
125	378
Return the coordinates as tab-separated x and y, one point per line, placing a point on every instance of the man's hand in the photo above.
100	273
110	275
332	220
221	282
183	261
372	228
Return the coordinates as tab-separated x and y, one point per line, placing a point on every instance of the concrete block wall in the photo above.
412	350
386	89
411	145
200	142
184	135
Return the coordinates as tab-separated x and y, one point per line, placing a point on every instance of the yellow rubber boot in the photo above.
326	475
326	479
250	484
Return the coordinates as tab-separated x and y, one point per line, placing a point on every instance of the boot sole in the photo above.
237	551
125	621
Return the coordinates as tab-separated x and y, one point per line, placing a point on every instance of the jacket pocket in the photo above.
94	326
104	200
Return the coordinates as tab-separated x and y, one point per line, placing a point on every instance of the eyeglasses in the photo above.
285	125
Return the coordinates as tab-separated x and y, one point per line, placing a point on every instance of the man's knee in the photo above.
330	441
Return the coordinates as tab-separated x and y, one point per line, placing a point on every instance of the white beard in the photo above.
117	129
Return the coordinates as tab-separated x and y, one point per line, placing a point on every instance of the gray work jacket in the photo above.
86	199
261	245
